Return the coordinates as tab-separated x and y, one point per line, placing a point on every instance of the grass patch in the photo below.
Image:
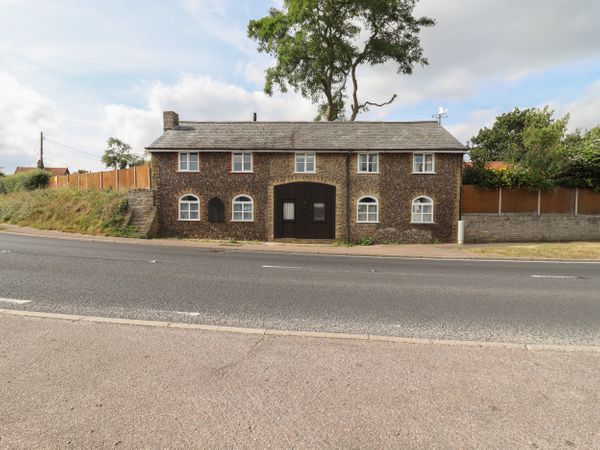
74	211
563	250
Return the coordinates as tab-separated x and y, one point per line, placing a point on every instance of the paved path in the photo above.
89	385
518	302
412	250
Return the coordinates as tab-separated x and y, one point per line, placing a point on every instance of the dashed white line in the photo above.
191	314
14	301
555	276
281	267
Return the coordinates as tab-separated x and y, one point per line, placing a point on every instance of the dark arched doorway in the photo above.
305	211
216	210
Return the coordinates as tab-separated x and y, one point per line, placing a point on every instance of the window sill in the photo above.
424	173
362	222
422	223
368	173
188	171
188	220
242	171
242	221
306	173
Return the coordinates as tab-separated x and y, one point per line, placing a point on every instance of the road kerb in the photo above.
293	333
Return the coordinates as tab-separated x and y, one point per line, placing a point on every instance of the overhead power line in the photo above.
73	149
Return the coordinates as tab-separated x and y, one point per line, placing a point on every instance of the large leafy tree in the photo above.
504	141
319	45
119	155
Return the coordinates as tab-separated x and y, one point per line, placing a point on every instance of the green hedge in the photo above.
27	181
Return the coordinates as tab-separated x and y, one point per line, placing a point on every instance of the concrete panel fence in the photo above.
116	180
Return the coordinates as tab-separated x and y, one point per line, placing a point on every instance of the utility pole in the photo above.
41	161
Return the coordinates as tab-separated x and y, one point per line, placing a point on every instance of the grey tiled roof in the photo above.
307	136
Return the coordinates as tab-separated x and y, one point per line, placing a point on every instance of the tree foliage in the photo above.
539	152
319	46
119	155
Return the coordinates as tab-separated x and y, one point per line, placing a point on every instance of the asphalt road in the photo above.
521	302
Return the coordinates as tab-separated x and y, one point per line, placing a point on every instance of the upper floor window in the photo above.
368	210
241	162
243	209
189	208
189	162
368	162
423	163
422	210
306	163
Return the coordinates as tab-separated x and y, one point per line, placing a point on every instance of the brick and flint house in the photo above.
388	181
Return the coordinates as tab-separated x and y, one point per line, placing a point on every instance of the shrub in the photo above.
27	181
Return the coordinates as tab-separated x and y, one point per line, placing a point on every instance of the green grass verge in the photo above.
74	211
562	250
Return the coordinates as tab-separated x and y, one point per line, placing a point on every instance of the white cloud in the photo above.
478	119
584	111
199	98
24	112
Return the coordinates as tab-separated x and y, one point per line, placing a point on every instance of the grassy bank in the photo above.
74	211
562	250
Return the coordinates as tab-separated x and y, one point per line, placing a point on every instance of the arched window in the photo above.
189	208
422	210
216	210
367	210
243	209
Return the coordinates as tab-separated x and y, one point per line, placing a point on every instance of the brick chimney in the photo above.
170	120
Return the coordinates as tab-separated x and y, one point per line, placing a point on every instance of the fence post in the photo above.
500	201
149	177
135	177
87	182
116	180
101	181
576	201
539	205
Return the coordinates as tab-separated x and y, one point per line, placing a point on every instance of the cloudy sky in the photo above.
84	71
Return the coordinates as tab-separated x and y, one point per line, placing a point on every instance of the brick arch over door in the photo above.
304	210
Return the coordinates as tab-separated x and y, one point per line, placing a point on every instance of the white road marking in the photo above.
554	276
4	251
281	267
191	314
14	301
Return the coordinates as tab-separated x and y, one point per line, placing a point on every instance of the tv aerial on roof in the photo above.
441	114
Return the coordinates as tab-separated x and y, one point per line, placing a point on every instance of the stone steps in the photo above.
142	212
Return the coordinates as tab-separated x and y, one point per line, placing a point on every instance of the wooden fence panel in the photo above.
125	179
589	202
142	177
476	200
93	181
109	180
520	201
72	181
559	200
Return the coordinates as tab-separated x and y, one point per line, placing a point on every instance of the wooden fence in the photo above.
116	180
522	201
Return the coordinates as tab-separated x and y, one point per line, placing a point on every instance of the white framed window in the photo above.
306	163
423	163
241	162
189	162
189	208
367	210
368	163
242	209
422	210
